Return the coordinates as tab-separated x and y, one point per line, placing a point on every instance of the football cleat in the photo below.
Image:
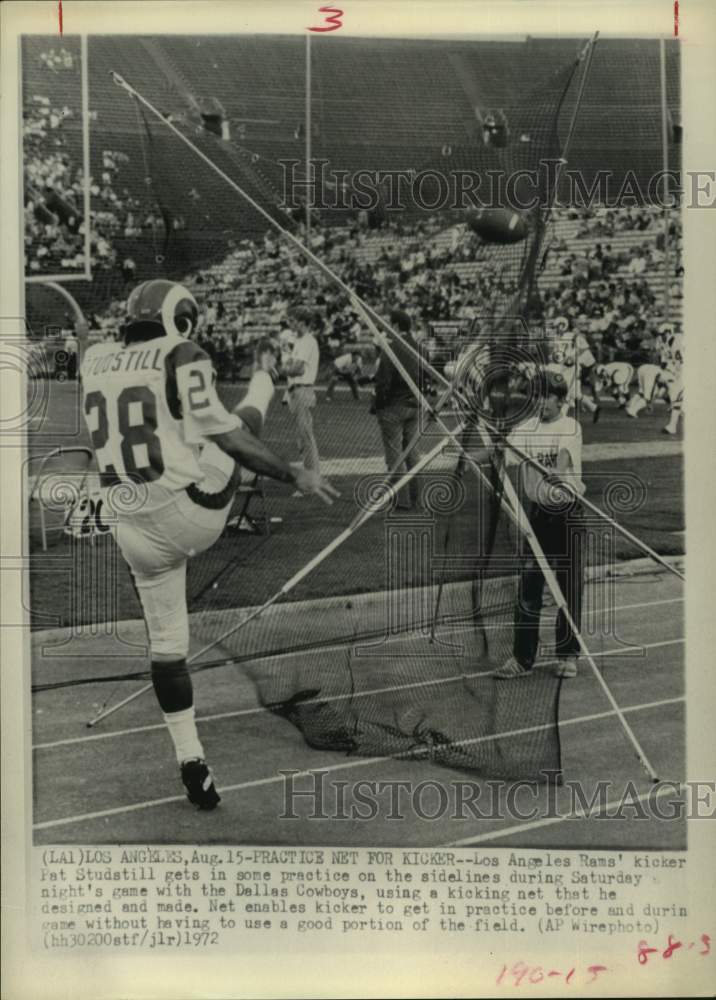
199	783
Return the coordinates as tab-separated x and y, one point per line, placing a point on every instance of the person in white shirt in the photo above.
557	519
161	434
301	372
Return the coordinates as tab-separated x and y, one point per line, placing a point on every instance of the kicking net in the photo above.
384	648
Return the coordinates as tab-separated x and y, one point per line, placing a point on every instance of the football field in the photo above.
118	782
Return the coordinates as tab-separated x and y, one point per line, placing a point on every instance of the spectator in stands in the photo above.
129	270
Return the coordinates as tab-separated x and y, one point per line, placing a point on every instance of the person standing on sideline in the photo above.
557	520
301	371
396	407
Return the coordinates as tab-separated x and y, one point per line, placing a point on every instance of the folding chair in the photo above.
243	520
36	483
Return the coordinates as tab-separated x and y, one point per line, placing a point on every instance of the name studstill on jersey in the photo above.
150	408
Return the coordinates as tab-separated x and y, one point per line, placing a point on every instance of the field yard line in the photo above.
258	710
535	824
363	762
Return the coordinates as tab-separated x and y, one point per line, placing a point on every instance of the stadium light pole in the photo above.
665	169
307	126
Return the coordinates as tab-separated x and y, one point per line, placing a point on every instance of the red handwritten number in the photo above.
333	23
671	947
595	970
644	952
59	14
706	942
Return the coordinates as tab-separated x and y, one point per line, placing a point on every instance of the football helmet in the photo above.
164	304
560	323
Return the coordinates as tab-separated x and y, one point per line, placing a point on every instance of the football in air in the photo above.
498	225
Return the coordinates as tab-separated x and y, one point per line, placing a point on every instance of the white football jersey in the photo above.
150	407
671	353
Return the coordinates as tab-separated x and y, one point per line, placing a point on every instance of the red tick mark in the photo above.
59	14
676	18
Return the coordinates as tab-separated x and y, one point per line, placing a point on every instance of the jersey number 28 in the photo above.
131	435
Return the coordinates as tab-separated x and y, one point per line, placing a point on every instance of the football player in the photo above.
662	379
571	357
159	431
615	377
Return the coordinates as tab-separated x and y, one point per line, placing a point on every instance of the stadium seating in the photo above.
389	104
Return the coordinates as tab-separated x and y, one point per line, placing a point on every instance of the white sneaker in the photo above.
510	670
566	668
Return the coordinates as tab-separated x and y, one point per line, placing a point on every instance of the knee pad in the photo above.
172	685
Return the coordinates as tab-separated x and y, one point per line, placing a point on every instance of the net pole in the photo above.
86	156
665	169
586	55
390	492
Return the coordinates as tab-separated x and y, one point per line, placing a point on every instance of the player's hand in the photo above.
308	481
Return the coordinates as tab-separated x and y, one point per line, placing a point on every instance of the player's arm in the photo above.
192	390
249	451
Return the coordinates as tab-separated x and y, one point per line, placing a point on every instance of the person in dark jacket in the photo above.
396	407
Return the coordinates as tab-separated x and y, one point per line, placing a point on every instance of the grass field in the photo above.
118	783
616	449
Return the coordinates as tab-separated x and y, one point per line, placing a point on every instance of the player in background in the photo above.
346	366
663	379
159	430
570	356
615	377
286	343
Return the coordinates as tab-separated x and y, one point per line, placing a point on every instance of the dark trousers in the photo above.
342	377
398	424
561	536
